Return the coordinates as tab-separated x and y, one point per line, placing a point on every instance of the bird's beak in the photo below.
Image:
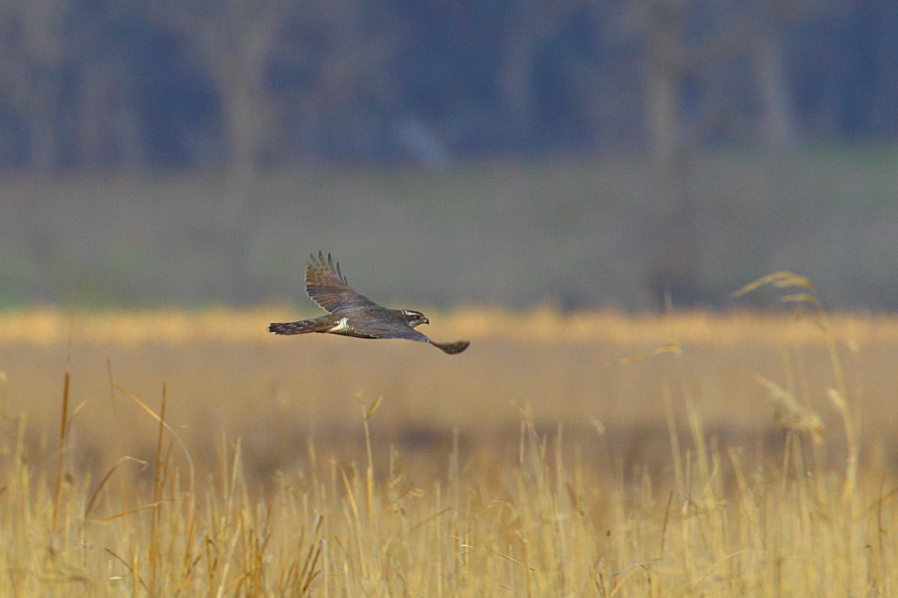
426	321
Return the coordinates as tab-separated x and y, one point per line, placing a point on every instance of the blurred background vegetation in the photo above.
582	153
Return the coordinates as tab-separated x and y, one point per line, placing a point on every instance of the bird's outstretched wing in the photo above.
452	348
414	335
327	287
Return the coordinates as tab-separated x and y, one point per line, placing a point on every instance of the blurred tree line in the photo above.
125	85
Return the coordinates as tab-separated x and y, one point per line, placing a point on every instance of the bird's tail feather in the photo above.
301	327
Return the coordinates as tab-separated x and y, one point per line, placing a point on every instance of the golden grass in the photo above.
594	455
49	326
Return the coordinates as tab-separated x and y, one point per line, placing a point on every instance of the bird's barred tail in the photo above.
301	327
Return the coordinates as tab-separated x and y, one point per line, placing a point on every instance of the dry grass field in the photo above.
583	454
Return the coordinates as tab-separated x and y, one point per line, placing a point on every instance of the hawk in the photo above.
352	314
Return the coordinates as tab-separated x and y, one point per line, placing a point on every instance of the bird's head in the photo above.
414	318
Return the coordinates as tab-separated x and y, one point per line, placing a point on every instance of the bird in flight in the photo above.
352	314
